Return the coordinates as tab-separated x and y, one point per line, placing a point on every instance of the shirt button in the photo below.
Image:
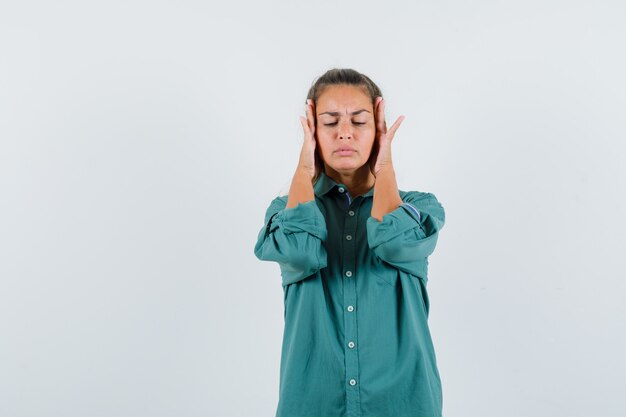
351	213
353	382
350	345
350	308
348	237
348	273
341	190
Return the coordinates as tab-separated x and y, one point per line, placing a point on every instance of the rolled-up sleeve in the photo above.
407	235
293	237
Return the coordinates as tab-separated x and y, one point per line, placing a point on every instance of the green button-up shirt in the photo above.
356	340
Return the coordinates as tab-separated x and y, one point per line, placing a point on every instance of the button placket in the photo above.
350	303
343	191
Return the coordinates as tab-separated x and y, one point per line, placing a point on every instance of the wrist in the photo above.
383	169
304	174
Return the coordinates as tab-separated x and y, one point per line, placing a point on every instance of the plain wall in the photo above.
141	143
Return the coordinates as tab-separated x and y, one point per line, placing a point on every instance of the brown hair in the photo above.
337	76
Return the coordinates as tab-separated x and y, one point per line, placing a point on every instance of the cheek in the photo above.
370	137
371	144
323	141
367	133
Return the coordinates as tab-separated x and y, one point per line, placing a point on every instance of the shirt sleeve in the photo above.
407	235
293	237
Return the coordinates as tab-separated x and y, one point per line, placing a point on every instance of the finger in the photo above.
305	126
307	110
376	101
381	125
310	114
396	125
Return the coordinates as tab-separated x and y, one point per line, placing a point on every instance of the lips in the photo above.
344	149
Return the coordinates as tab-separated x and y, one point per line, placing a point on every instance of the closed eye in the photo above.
333	124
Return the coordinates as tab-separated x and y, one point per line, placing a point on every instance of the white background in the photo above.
141	143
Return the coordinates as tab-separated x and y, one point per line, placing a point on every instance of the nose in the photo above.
345	130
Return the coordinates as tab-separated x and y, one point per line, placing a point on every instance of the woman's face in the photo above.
345	127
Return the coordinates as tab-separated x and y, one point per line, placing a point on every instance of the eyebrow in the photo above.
336	113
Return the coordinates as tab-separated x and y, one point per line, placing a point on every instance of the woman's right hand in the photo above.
307	154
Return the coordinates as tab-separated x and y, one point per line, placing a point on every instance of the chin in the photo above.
346	167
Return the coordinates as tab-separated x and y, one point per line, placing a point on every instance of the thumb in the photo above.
305	126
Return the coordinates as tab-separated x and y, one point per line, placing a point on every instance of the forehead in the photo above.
343	98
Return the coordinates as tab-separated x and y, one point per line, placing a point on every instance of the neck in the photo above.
358	182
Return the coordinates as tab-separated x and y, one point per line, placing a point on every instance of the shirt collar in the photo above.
324	184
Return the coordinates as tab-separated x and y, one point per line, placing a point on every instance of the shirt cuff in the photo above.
413	210
304	217
395	223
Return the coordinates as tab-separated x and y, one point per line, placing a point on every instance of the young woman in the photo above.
353	253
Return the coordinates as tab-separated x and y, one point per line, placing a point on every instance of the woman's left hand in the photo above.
381	151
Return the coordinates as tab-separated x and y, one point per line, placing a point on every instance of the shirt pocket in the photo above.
384	273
